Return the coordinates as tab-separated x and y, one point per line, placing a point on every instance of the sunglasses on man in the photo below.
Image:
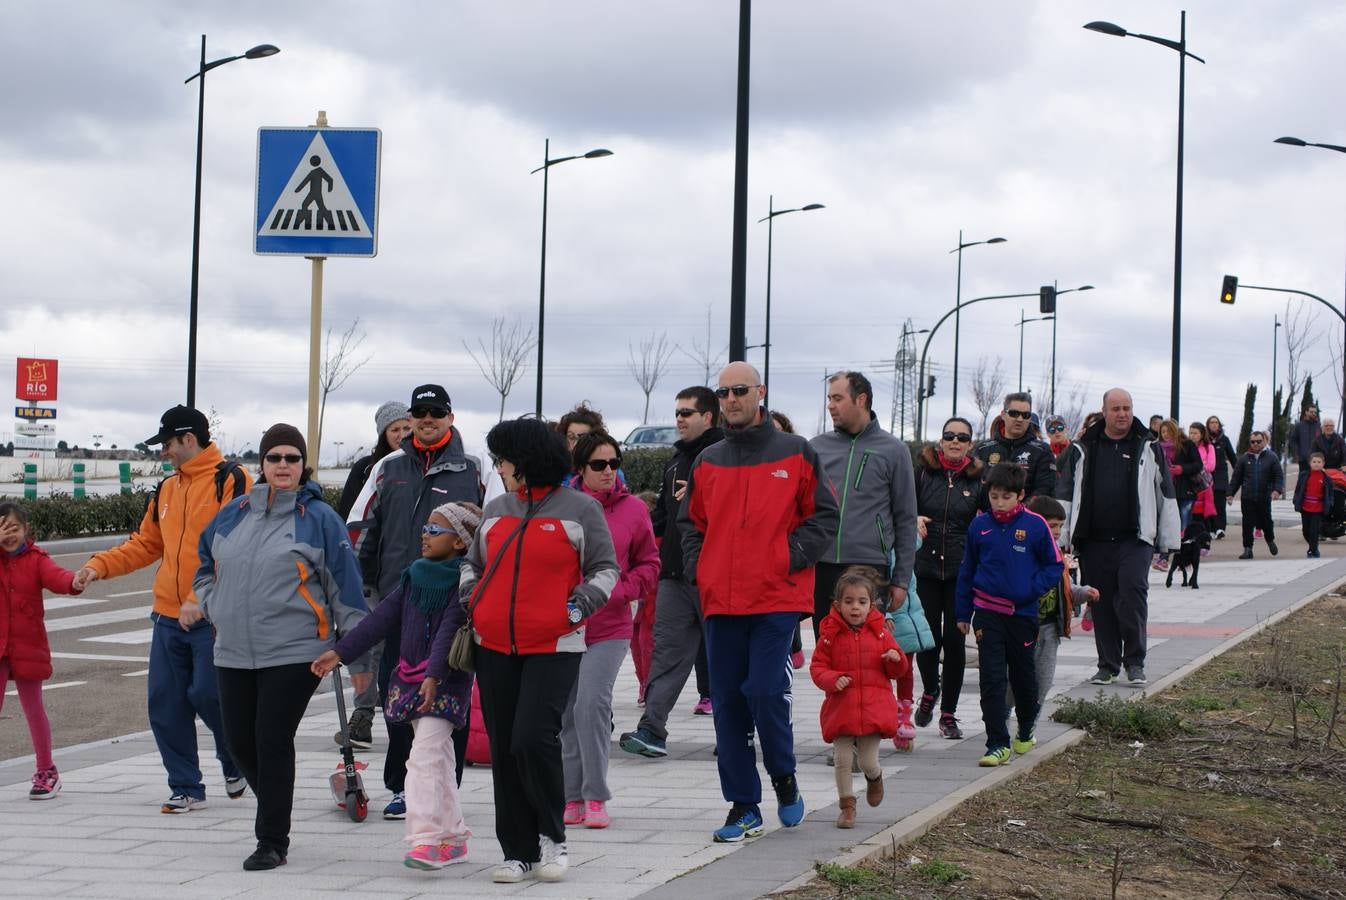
293	459
428	412
1019	413
599	465
739	390
683	412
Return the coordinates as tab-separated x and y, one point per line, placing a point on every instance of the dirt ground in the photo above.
1231	784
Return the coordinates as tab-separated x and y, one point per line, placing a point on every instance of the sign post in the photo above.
317	196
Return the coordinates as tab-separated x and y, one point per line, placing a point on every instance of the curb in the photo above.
884	844
91	544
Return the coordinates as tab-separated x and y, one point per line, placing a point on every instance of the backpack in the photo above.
223	471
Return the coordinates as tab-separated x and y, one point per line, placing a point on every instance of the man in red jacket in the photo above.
758	513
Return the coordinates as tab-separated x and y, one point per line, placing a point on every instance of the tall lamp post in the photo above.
1022	322
958	304
1051	407
1275	339
770	220
545	169
1296	142
257	52
1179	45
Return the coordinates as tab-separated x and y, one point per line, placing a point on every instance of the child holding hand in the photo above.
25	656
854	663
425	613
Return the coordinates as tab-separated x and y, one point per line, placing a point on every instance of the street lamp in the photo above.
1055	293
1179	45
1297	142
957	307
769	219
545	169
338	448
925	349
1275	339
258	52
1022	322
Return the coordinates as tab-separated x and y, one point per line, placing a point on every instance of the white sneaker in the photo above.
181	803
512	871
554	862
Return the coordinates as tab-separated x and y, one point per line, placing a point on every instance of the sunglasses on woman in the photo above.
961	437
739	390
599	465
433	530
293	459
1053	429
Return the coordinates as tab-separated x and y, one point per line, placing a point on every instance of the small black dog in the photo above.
1195	539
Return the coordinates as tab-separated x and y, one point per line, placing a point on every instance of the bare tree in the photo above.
339	363
652	365
701	355
503	363
988	385
1300	323
1072	407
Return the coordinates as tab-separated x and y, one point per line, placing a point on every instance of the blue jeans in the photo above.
1185	513
750	679
181	686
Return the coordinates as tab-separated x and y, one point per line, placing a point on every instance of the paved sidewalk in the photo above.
105	837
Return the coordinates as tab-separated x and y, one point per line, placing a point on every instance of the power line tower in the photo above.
904	381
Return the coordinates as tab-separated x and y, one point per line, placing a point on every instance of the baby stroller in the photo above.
1334	519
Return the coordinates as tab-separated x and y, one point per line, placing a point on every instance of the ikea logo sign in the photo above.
34	412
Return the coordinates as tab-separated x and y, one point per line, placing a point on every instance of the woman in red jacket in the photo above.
854	661
24	655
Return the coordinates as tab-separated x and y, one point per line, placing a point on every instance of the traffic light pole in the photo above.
925	349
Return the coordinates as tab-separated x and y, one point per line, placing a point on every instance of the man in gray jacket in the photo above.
1121	509
871	472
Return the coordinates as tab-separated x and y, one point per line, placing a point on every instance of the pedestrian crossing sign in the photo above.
317	191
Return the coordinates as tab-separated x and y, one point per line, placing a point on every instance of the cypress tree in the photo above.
1246	429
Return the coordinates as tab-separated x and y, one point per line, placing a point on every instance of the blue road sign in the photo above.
317	191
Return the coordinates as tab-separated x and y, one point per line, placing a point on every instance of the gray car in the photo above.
650	436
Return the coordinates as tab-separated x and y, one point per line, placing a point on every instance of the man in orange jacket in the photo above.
181	683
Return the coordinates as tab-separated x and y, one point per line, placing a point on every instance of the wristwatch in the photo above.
573	614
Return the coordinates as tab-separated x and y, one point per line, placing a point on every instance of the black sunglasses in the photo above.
961	437
598	465
1052	429
683	412
740	390
293	459
428	412
1019	413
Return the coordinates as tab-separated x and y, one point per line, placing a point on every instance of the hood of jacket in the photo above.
928	458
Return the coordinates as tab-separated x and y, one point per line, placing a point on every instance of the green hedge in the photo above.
644	469
63	516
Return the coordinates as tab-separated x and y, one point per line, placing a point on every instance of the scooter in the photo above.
347	783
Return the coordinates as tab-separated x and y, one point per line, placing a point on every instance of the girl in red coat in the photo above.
854	662
24	655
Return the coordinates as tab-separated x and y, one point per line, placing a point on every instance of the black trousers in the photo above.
1219	519
1313	526
261	710
825	577
522	699
1257	514
937	600
1120	570
1006	645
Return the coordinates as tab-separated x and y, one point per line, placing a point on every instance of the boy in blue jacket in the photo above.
1011	560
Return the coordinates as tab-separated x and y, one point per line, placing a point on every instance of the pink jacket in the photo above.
628	519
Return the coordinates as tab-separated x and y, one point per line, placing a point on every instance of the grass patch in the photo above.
941	872
1118	719
847	877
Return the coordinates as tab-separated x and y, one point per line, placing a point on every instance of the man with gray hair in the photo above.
1331	445
1121	510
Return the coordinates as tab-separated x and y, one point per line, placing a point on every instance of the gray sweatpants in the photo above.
677	640
586	724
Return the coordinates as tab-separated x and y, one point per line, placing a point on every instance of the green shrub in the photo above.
644	469
847	876
1119	719
941	872
63	516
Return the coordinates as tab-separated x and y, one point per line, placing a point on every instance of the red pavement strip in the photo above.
1180	629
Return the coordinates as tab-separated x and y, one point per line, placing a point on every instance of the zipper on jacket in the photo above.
944	529
514	586
845	490
860	472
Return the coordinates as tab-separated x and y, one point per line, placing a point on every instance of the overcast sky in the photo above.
907	120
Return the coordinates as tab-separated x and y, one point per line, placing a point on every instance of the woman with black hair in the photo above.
541	563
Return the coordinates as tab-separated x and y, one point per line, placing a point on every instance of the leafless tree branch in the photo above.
652	365
502	364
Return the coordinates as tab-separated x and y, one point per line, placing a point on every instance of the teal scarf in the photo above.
432	583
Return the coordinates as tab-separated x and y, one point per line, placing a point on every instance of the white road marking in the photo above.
132	593
134	674
69	623
97	657
140	636
54	603
49	687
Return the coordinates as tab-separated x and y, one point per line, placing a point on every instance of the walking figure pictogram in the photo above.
314	182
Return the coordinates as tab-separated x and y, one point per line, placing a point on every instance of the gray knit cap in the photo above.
464	517
389	413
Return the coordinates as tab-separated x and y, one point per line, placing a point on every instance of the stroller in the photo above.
1334	519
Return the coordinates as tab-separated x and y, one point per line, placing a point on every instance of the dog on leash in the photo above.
1195	539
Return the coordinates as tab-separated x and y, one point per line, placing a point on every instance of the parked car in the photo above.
644	437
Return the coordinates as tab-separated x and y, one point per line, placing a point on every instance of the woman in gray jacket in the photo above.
278	579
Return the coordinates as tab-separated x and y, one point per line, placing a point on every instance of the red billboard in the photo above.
35	379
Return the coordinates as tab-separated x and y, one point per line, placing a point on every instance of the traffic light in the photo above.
930	385
1047	299
1229	288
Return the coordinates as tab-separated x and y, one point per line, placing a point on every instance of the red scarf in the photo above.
1004	518
951	466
